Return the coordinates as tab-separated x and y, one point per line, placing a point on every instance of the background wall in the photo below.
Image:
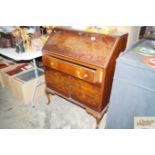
133	32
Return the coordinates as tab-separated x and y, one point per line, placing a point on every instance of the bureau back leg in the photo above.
97	116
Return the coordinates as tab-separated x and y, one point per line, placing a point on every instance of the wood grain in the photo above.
79	66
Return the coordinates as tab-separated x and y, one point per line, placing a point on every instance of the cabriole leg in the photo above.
48	96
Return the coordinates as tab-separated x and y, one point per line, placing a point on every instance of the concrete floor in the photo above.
60	114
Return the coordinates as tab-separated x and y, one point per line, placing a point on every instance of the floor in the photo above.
60	114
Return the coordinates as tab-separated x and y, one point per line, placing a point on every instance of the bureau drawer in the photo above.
78	71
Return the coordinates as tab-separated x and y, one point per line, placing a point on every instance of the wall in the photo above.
133	32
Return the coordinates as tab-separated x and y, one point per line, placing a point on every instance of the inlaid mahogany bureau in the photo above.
79	67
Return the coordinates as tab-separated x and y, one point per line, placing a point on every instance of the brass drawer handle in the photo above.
52	63
85	76
78	73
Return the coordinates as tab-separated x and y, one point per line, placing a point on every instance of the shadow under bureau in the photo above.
79	67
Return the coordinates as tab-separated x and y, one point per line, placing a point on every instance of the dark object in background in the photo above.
39	63
150	32
7	40
142	32
18	41
20	47
147	32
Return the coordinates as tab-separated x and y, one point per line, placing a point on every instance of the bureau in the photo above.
79	67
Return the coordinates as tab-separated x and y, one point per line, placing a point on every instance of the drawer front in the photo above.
57	81
78	71
86	93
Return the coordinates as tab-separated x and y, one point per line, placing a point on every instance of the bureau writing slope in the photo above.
79	67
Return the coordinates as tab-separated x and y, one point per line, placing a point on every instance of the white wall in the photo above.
133	32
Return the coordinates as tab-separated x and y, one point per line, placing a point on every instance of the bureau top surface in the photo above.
81	46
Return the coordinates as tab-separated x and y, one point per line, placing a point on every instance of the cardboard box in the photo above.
10	72
23	90
23	85
4	67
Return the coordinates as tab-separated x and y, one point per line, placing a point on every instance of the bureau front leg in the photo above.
98	120
97	116
48	96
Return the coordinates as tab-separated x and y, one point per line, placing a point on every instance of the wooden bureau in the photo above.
79	66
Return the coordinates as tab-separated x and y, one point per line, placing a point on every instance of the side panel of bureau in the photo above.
109	70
